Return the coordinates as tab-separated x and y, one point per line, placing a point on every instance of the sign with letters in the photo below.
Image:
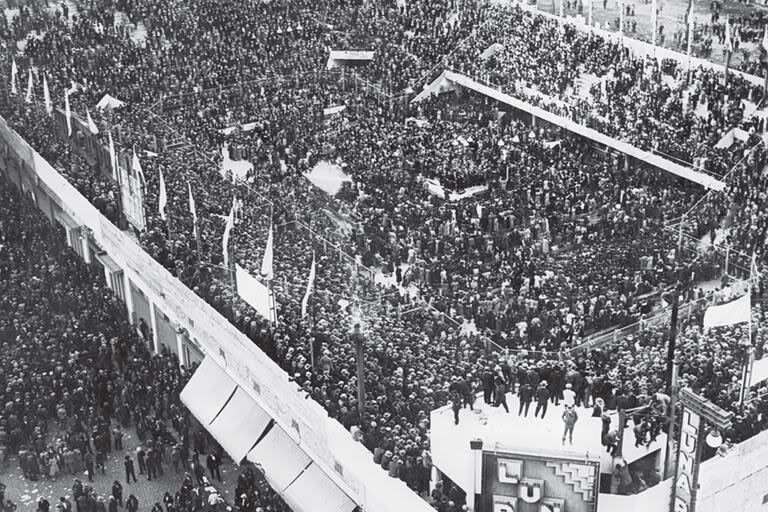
687	473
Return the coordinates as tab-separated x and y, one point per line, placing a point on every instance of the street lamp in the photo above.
358	338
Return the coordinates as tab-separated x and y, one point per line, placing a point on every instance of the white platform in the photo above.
450	443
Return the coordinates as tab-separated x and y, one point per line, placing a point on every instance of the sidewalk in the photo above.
25	493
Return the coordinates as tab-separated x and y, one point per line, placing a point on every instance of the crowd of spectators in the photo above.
77	377
561	240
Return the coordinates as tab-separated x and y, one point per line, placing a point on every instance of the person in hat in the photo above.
117	492
569	396
526	397
569	420
500	391
130	471
486	379
542	398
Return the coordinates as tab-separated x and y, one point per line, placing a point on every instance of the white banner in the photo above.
254	293
345	57
731	313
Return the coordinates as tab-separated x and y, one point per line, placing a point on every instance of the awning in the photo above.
66	220
280	458
239	425
314	491
207	391
109	263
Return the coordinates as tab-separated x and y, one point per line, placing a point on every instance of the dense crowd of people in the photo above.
77	377
481	230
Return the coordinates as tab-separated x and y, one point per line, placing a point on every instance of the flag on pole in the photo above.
192	210
14	72
310	284
621	17
28	97
690	31
266	263
227	228
47	97
91	125
728	38
136	165
163	198
754	273
68	113
734	312
112	157
654	21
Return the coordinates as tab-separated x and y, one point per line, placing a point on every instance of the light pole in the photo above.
671	345
358	338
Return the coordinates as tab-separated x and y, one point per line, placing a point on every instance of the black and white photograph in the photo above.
383	256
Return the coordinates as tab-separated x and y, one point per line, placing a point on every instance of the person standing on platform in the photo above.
526	397
486	379
569	396
456	401
501	391
569	420
542	397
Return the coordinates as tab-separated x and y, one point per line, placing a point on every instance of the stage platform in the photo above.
451	452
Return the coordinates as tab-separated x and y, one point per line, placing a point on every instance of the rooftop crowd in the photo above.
563	242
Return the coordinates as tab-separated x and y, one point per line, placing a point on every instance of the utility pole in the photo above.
672	337
671	425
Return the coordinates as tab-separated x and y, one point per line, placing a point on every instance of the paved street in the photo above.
26	493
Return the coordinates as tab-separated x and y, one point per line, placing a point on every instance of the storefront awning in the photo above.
280	458
314	491
109	263
239	425
207	391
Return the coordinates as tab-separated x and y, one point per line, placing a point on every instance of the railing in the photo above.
618	335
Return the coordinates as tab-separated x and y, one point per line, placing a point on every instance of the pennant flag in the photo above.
310	284
227	228
136	166
68	113
192	210
163	198
112	157
28	97
266	263
728	39
765	40
754	272
734	312
91	125
14	72
47	97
